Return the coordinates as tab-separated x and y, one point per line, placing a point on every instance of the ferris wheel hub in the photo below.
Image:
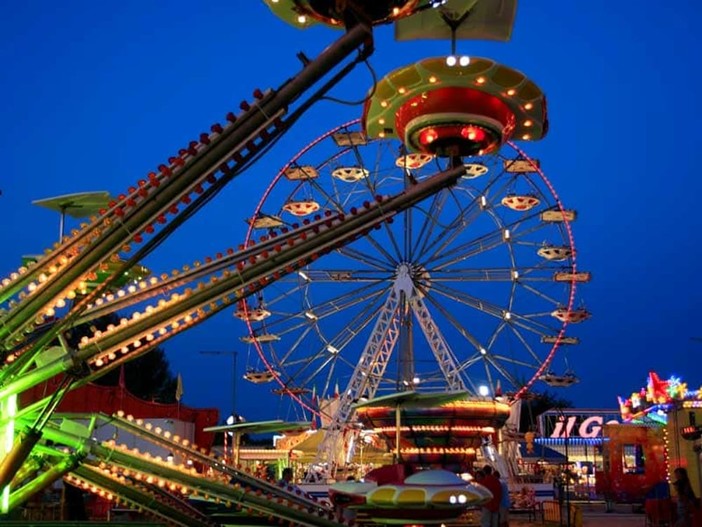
409	276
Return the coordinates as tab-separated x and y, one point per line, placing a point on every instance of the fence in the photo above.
555	513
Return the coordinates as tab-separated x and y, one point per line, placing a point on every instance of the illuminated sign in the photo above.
576	424
658	397
691	433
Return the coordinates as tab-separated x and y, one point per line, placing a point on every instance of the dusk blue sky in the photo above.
93	95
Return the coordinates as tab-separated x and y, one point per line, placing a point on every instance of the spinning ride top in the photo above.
332	13
429	429
448	109
414	19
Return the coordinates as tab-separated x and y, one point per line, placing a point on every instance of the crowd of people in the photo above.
494	513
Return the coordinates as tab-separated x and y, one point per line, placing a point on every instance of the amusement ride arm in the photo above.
43	287
105	350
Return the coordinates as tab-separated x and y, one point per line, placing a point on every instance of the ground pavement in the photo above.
594	515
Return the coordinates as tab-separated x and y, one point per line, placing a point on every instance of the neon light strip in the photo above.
8	411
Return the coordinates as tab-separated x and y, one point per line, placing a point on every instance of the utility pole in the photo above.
562	416
233	354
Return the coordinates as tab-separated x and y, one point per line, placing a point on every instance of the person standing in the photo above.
505	502
491	510
287	478
687	502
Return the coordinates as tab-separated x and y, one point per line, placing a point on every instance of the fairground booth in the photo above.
569	439
659	433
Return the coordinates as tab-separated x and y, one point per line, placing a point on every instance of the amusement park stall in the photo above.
92	398
573	439
175	419
659	433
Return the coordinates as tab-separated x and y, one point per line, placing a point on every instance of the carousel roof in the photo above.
413	399
262	427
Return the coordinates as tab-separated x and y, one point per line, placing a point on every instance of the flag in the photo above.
179	388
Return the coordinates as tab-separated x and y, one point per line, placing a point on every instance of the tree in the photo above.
536	403
148	377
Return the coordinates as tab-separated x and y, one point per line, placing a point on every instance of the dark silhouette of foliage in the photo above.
537	403
148	376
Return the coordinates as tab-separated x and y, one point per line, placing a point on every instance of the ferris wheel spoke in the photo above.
282	359
344	301
469	300
515	362
469	213
496	333
507	375
472	250
465	333
538	293
478	245
494	310
536	189
526	345
543	265
472	360
366	259
335	305
491	357
472	275
488	374
426	230
484	244
529	243
329	364
359	322
393	242
339	206
496	274
302	377
452	230
294	318
373	191
341	276
487	358
529	323
297	286
324	309
305	362
329	379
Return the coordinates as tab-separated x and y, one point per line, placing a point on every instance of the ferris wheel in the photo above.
472	289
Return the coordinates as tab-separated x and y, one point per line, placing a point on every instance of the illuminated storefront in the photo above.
575	435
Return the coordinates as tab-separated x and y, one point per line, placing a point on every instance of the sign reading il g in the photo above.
580	426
